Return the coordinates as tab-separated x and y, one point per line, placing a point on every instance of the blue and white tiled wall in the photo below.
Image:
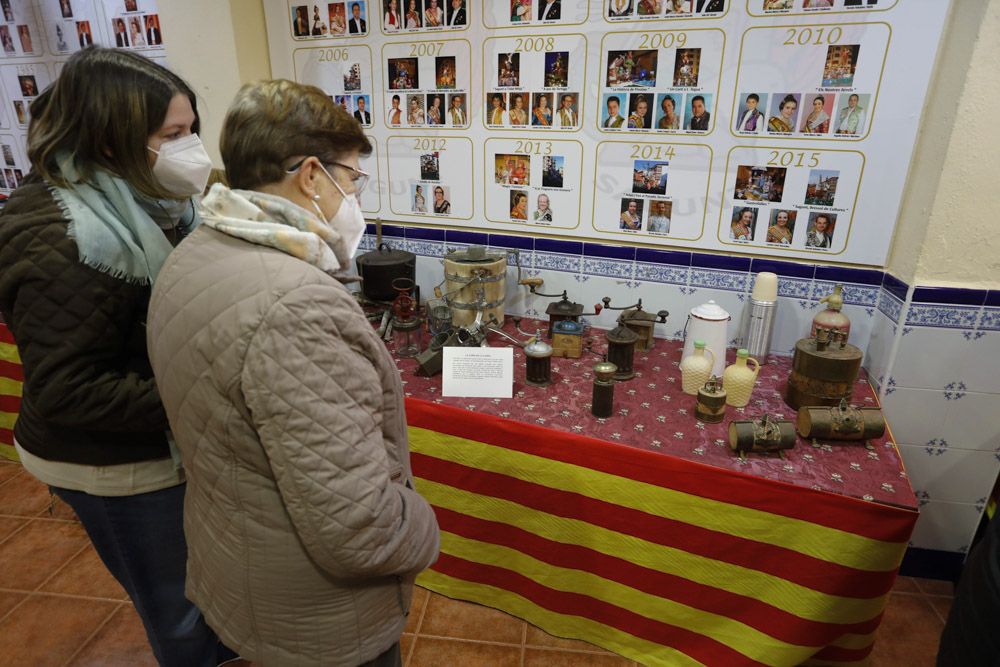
931	352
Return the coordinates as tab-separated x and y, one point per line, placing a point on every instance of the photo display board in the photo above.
767	127
36	38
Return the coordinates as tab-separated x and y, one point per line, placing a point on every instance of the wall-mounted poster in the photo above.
329	20
20	35
777	128
73	24
427	84
133	24
535	82
423	16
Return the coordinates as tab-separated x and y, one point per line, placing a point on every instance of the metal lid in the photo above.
538	348
710	311
385	255
476	254
564	307
568	327
699	344
605	370
622	334
742	352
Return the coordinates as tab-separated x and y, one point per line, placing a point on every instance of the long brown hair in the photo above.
101	111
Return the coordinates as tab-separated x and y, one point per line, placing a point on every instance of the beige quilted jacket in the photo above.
304	533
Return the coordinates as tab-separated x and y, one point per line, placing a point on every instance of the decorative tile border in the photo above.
608	268
990	319
425	248
942	315
718	279
558	262
890	306
662	273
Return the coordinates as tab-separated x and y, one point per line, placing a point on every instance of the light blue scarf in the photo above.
113	231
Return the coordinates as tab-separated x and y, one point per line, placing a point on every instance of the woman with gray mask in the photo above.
115	161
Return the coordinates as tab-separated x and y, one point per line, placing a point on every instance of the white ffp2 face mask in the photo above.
348	221
182	166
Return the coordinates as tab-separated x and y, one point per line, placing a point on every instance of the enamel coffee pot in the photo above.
708	322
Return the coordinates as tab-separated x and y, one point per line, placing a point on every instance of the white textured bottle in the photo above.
739	379
696	368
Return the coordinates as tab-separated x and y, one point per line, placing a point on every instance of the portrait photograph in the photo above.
631	214
660	211
3	181
430	167
669	111
852	113
300	20
415	110
552	171
66	7
24	35
444	72
781	229
820	230
619	8
518	205
8	155
750	118
404	74
441	201
817	112
678	6
541	109
496	109
783	113
743	223
757	183
8	13
512	169
413	14
841	63
435	109
357	11
418	199
556	69
457	112
632	68
20	110
352	77
362	109
543	209
649	7
817	4
7	40
639	111
517	109
687	64
777	5
29	86
344	102
508	70
131	5
821	188
18	176
153	35
83	34
520	10
338	18
649	177
698	112
614	107
12	180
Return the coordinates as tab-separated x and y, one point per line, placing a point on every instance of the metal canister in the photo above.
757	327
844	422
711	405
823	372
761	435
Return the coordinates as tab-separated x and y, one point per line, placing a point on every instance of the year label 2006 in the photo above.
428	144
333	55
793	159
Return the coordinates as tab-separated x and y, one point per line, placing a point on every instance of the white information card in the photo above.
483	372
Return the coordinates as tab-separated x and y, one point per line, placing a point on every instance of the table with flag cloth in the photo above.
643	533
11	378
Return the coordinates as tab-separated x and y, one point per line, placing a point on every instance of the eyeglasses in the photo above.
358	176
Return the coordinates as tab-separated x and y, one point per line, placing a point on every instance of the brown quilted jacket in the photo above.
89	394
304	531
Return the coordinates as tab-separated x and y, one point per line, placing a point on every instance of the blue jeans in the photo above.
141	541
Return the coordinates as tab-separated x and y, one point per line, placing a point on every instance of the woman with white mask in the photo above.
304	531
115	160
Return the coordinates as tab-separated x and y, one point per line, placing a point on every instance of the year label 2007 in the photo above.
426	49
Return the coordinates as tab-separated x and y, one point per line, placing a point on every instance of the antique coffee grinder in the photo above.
559	311
567	339
638	321
621	351
538	356
824	370
602	403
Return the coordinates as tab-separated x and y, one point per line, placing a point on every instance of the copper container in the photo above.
711	405
823	371
844	422
761	435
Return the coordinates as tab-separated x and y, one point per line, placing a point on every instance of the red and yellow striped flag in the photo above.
11	378
663	560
